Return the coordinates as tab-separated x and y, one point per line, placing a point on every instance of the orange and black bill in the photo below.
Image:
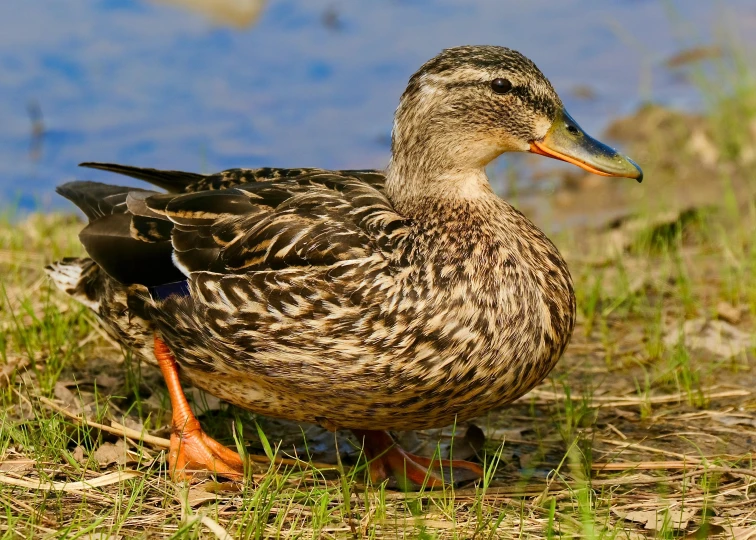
567	141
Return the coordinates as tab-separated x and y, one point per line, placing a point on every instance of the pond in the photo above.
295	82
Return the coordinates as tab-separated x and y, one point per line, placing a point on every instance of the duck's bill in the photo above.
567	141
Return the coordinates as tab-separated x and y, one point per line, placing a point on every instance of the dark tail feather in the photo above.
126	259
130	248
95	199
171	181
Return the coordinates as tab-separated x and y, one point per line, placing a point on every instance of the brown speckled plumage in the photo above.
352	299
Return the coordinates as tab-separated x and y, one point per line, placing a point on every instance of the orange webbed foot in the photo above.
192	450
388	460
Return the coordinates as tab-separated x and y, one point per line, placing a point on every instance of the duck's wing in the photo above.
187	182
315	219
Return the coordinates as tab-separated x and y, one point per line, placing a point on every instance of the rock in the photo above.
703	147
109	453
16	466
728	313
68	398
78	454
715	337
654	520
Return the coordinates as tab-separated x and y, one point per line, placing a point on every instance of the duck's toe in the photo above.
389	461
192	451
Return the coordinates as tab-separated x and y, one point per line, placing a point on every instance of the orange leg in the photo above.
387	459
191	448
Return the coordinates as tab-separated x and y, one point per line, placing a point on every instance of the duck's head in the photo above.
470	104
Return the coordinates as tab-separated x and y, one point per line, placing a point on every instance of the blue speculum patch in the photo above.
177	288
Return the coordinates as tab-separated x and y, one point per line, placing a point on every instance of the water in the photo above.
309	83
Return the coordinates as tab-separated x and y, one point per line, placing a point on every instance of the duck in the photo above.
370	301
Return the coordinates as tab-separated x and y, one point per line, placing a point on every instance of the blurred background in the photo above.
204	85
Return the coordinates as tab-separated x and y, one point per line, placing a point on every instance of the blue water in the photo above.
309	83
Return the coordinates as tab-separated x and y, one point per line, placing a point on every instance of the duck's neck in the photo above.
418	187
436	159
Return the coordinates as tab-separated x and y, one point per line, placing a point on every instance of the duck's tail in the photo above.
77	277
83	280
128	241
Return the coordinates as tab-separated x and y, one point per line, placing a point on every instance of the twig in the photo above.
123	431
36	512
215	528
634	446
617	431
607	401
643	465
661	465
100	481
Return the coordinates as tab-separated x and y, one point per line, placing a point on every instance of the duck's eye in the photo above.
501	86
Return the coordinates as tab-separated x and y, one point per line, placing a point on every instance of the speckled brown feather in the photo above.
350	298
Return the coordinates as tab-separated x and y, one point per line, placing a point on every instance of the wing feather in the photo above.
236	221
315	220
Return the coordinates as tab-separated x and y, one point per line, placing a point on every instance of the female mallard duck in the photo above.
350	299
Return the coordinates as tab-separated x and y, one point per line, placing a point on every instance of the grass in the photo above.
646	428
